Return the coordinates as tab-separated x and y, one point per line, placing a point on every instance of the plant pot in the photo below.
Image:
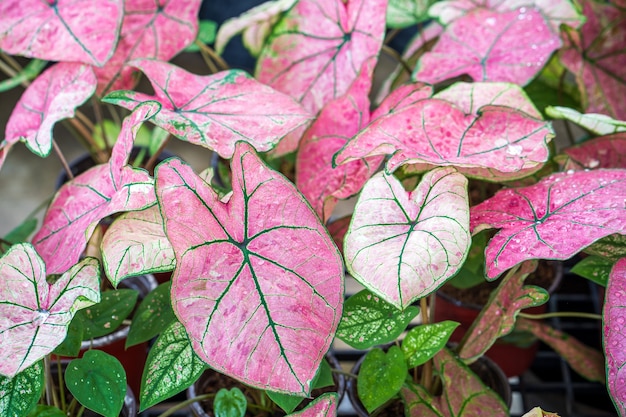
514	353
211	381
486	369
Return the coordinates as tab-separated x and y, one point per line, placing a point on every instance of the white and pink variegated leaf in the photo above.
404	245
135	244
35	315
602	152
596	55
61	30
614	317
258	282
553	219
317	49
402	97
323	406
321	183
215	111
53	96
150	29
487	45
496	142
599	124
81	203
556	12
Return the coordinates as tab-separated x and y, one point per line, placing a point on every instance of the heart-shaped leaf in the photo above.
53	96
230	403
316	50
553	219
321	183
381	376
614	340
135	244
600	124
324	406
215	111
588	362
61	30
498	316
497	143
148	31
18	395
97	381
423	342
594	268
603	152
171	367
419	402
35	314
259	282
46	411
152	316
369	320
106	316
404	245
507	46
102	190
402	97
598	60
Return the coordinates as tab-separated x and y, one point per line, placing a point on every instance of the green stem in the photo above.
66	166
345	373
24	76
396	55
51	398
574	314
211	53
152	161
186	403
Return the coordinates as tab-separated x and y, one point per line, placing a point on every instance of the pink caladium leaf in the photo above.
596	55
258	282
496	142
404	245
317	49
614	339
215	111
402	97
135	244
553	219
157	29
586	361
102	190
53	96
497	318
556	13
324	406
36	315
61	30
603	152
488	45
321	183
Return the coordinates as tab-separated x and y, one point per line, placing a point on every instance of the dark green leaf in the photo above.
368	320
285	401
46	411
171	367
230	403
71	345
30	72
381	376
206	34
153	315
97	381
594	268
423	342
472	272
324	377
18	395
106	316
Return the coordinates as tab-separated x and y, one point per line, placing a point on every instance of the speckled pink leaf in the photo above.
321	183
53	96
151	29
615	335
497	318
597	57
324	406
586	361
603	152
556	12
80	204
215	111
135	244
317	49
258	282
553	219
36	315
495	143
402	97
61	30
490	46
404	245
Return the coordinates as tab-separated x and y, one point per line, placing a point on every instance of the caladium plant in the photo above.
257	280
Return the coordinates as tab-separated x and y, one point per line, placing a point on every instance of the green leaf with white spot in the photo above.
368	320
594	268
18	395
423	342
97	381
171	367
611	247
230	403
153	315
106	316
381	376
